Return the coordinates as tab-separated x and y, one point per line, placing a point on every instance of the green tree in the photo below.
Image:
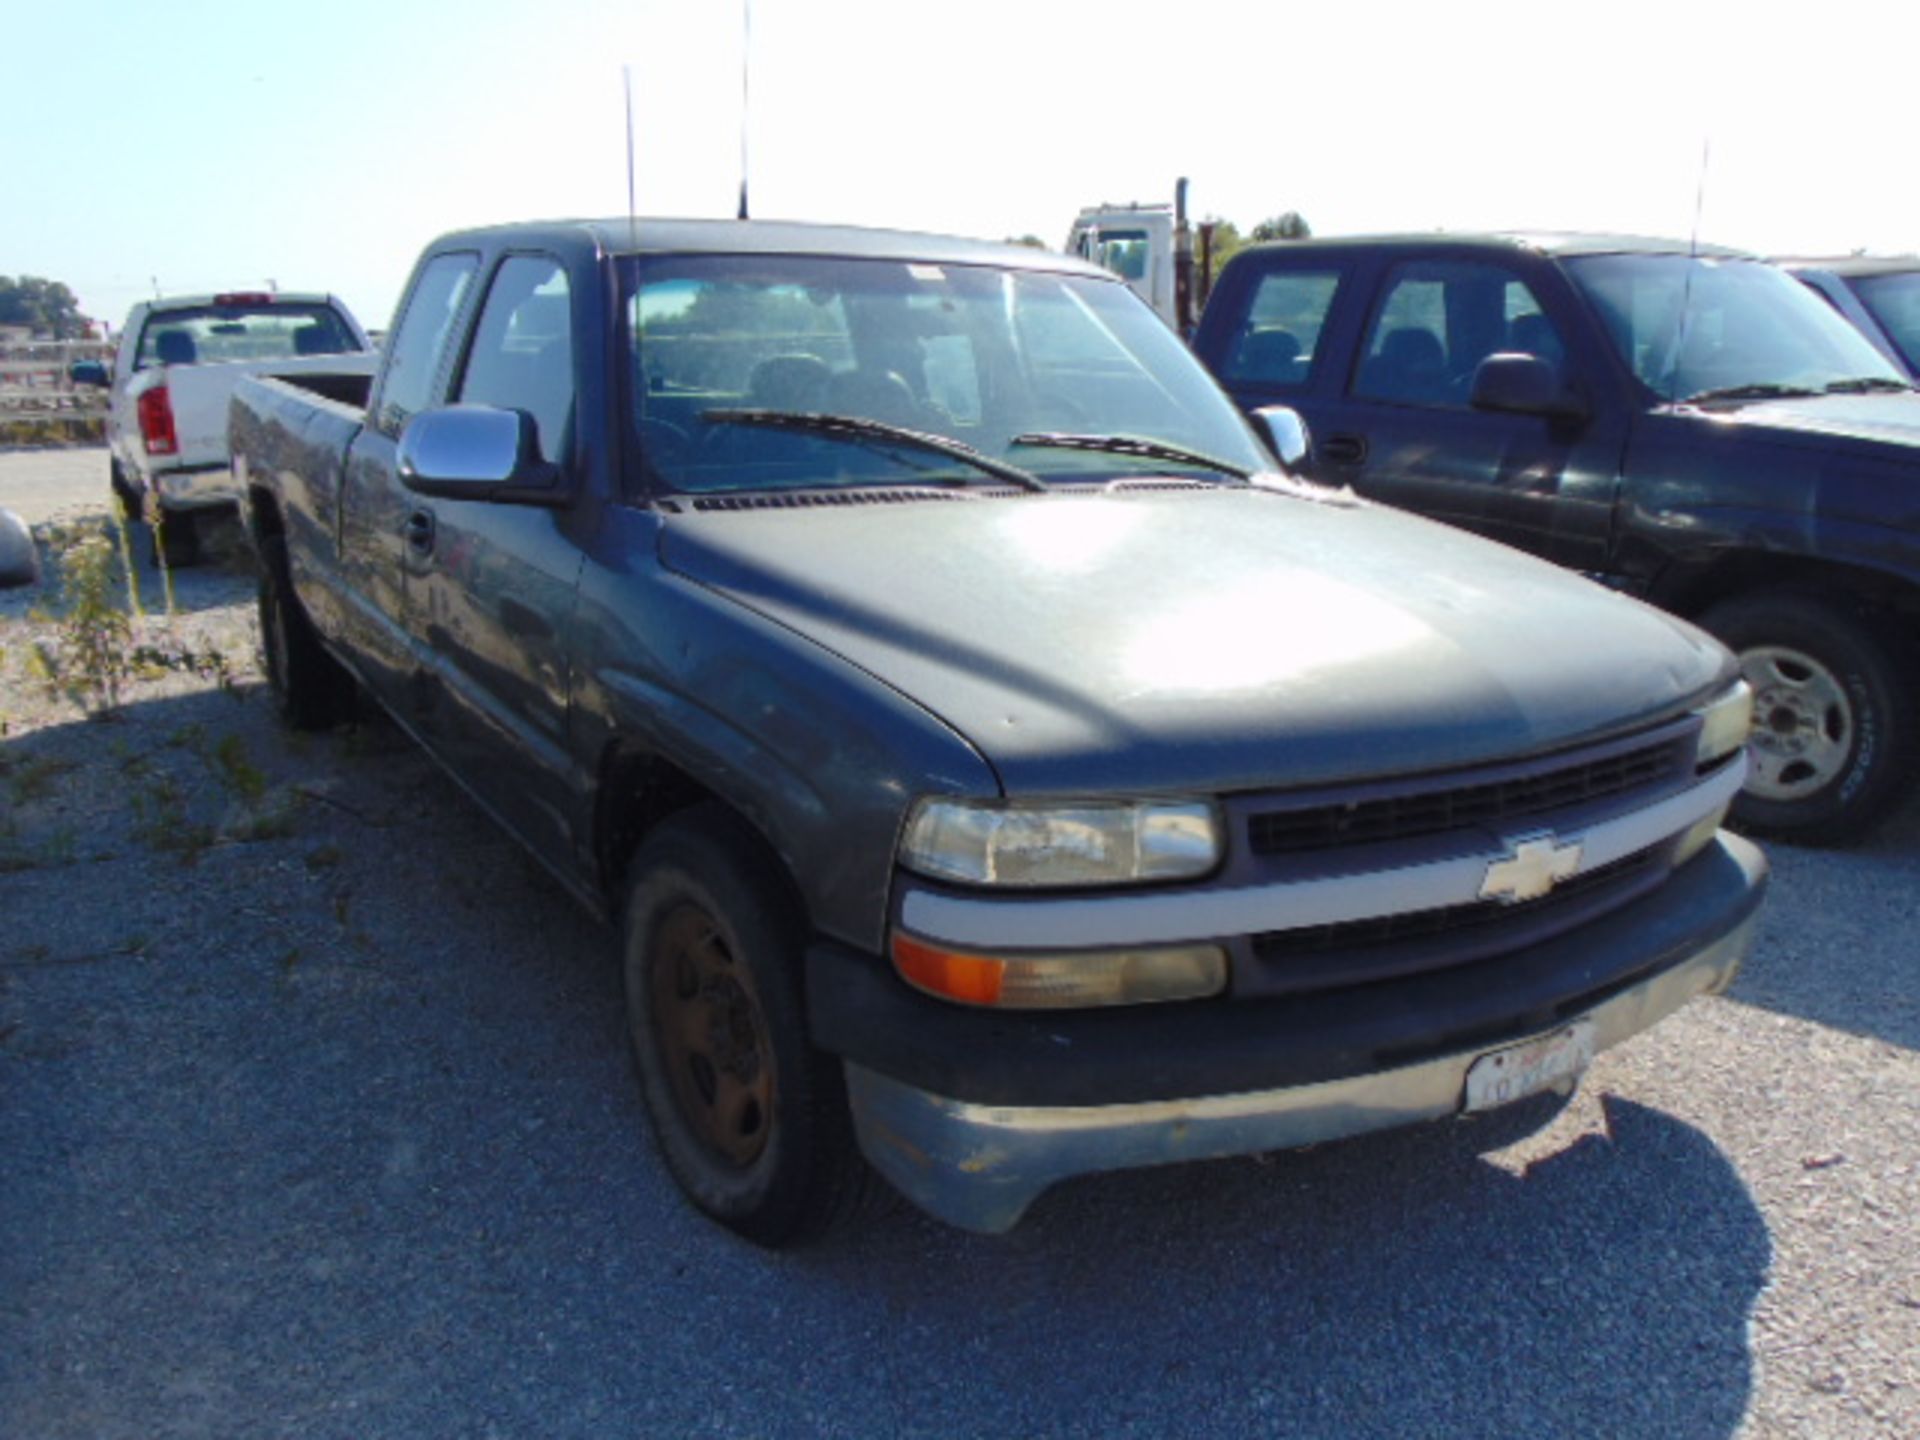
1226	241
1032	242
46	306
1290	226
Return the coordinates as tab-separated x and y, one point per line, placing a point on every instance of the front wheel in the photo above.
750	1118
1833	732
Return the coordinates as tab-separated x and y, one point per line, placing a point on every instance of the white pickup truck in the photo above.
178	361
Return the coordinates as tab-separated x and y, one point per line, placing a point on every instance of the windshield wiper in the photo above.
1132	445
1865	384
857	427
1761	390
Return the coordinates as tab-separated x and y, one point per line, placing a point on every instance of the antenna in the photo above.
746	94
1700	193
633	225
1693	256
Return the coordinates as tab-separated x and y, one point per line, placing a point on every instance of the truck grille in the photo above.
1323	956
1494	797
1412	820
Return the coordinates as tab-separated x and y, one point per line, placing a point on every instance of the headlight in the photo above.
1724	724
1033	845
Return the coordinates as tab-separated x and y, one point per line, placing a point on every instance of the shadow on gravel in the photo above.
1391	1286
1836	939
332	1133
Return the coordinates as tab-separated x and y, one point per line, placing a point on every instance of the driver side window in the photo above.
1437	320
522	357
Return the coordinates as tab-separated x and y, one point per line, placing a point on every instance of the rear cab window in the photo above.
242	328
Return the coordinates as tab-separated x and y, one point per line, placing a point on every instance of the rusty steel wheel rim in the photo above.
712	1036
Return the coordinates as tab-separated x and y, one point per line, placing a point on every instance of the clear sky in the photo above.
205	145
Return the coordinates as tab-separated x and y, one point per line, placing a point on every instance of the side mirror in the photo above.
1519	384
89	372
19	558
477	452
1285	432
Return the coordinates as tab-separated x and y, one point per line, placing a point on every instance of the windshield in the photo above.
979	355
1692	327
1895	303
210	334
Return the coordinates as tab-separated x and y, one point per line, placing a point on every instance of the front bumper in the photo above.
979	1163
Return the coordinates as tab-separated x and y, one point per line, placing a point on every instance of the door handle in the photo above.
419	532
1342	449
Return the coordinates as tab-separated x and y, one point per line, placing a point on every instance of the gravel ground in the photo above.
317	1122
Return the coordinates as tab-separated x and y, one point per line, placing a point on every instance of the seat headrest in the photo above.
175	347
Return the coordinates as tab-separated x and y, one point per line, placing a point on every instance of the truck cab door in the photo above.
1405	432
380	577
491	583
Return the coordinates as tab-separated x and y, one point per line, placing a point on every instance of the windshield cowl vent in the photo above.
1118	487
819	499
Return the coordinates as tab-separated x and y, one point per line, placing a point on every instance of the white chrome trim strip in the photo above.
1170	917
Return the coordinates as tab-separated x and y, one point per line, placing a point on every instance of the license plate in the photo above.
1503	1076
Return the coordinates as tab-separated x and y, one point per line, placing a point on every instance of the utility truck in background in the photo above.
1152	248
174	372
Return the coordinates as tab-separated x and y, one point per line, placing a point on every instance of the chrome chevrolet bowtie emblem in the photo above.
1536	865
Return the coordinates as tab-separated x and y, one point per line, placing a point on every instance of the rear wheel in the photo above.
176	539
311	690
751	1119
1833	732
126	499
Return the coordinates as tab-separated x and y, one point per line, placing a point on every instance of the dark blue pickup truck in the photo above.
997	770
1687	424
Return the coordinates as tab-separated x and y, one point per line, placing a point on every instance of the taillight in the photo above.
156	422
234	299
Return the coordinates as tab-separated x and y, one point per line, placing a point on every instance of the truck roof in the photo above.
279	297
1853	264
1558	243
646	235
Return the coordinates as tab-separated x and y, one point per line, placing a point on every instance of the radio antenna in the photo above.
1700	192
1693	256
633	225
746	94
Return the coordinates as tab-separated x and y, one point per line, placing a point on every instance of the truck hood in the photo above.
1889	419
1203	641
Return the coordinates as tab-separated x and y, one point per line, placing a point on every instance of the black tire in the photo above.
1833	730
126	500
175	540
751	1120
311	690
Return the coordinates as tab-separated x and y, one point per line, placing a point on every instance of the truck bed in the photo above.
296	430
199	395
